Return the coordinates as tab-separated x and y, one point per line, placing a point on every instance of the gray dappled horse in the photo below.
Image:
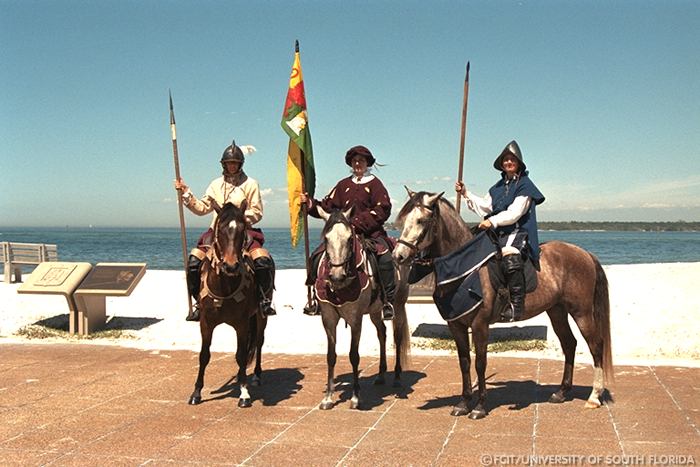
229	296
339	238
571	282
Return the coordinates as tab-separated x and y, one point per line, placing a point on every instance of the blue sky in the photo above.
602	96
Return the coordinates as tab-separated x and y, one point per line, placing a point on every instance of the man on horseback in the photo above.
368	197
509	208
233	186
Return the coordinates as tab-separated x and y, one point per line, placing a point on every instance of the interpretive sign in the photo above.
422	291
58	278
105	280
114	279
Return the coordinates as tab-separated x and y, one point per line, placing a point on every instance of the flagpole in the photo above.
465	103
305	212
176	159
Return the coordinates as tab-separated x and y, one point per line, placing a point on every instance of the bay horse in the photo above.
229	296
571	281
341	259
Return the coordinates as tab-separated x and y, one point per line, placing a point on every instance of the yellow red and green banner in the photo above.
301	175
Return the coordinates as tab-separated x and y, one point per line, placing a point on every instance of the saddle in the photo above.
458	288
499	284
210	265
358	273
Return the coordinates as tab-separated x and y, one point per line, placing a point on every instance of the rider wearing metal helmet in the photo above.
233	186
509	208
371	208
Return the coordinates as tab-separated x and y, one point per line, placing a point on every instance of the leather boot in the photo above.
513	270
264	268
385	267
194	279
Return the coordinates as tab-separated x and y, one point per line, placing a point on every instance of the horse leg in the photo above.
256	379
242	361
480	333
402	342
595	345
204	357
381	335
460	333
355	332
560	324
330	323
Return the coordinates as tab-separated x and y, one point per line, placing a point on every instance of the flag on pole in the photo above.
301	175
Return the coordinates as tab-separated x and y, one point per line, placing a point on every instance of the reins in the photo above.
429	228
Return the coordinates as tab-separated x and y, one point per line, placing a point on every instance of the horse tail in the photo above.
601	316
252	339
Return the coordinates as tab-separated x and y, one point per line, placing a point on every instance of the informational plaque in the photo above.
113	279
58	278
105	280
422	291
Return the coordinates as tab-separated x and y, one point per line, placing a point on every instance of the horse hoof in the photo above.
379	380
592	404
459	411
355	405
195	400
477	414
326	405
557	398
244	403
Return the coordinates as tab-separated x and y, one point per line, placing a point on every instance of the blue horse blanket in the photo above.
457	285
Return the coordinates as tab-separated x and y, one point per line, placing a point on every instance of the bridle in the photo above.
429	227
216	263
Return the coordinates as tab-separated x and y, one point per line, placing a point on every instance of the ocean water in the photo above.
160	248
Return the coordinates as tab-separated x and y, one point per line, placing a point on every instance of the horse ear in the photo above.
215	205
348	212
432	199
410	192
324	215
244	205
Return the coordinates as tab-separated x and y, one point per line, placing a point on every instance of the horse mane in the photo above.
336	217
451	229
230	212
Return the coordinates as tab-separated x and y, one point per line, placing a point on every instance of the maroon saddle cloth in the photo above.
357	279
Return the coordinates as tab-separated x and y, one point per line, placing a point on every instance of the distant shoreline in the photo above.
580	226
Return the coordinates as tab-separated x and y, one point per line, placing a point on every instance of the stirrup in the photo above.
388	312
194	316
266	308
311	308
508	314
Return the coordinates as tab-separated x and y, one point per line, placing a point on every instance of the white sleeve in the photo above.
480	206
515	211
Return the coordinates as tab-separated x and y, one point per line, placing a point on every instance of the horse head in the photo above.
418	218
338	237
229	236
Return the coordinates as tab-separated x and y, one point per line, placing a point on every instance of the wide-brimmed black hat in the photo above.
514	149
359	151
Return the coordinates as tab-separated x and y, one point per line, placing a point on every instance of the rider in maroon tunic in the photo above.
368	197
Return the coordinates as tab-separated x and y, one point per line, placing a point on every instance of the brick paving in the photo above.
78	404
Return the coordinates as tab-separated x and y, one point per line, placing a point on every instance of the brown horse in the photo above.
229	296
339	239
571	282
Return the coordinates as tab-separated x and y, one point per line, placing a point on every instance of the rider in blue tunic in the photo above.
509	208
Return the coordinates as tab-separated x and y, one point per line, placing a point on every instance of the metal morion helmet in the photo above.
514	149
232	154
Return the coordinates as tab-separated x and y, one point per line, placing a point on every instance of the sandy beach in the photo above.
653	308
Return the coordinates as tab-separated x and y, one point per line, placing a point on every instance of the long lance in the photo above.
176	159
465	103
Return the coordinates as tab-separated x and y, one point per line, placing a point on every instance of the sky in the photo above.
603	98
